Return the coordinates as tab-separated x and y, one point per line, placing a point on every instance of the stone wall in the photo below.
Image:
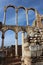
33	48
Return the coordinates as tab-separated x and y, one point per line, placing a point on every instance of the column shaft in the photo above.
16	46
4	17
22	49
2	40
22	44
27	17
16	17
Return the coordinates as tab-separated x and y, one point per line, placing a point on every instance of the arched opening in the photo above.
20	43
21	17
9	42
20	37
9	38
21	40
0	39
31	17
10	16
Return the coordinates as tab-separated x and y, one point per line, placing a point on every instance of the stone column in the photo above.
27	16
2	40
4	15
16	16
16	45
22	48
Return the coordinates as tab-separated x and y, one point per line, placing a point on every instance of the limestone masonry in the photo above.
32	42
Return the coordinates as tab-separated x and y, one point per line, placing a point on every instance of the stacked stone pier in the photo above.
33	48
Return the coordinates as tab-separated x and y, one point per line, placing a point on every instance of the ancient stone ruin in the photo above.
32	44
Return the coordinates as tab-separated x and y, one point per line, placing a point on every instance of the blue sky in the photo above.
10	17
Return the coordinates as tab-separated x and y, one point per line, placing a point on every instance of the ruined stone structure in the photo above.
32	44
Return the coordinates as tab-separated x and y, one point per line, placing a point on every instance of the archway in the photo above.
9	42
10	11
21	16
31	17
10	16
20	37
9	38
20	43
34	15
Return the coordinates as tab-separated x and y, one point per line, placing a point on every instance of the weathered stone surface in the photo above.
32	45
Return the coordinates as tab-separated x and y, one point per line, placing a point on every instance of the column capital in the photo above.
26	10
16	10
5	9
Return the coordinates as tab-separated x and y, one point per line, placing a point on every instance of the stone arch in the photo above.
8	30
21	11
36	13
8	34
21	36
21	7
5	10
10	6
